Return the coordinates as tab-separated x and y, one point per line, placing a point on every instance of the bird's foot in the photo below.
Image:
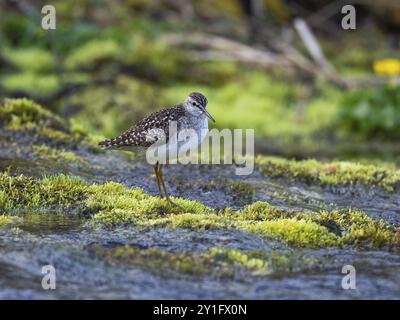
172	204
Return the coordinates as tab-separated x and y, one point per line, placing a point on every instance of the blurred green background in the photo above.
109	63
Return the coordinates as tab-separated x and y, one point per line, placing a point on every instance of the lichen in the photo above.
331	173
111	204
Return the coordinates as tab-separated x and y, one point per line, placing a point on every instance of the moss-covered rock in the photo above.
110	204
8	220
19	114
214	262
333	173
44	152
29	118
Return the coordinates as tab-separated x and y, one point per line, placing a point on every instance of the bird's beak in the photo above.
207	114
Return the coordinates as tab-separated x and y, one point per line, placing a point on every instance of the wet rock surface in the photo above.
124	262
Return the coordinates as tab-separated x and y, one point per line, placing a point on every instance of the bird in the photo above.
155	129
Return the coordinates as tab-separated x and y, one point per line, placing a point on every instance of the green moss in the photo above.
193	221
358	229
91	53
242	189
8	220
110	204
294	232
332	173
118	206
21	192
354	227
27	117
29	59
42	151
214	262
17	113
30	83
117	106
153	58
245	259
270	105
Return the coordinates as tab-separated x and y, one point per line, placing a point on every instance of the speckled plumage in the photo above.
156	126
141	134
191	114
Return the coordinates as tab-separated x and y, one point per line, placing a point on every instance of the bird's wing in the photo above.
147	131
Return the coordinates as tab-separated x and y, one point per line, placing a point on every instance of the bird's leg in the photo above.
163	185
158	180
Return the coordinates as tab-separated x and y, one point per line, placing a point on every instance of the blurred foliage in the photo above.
373	113
108	110
29	59
91	53
30	83
108	64
388	67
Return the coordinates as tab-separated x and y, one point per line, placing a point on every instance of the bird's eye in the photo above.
193	103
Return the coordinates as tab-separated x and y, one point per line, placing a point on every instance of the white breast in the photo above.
193	141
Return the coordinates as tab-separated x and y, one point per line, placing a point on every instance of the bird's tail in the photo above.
109	143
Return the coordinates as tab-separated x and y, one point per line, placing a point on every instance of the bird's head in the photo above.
196	103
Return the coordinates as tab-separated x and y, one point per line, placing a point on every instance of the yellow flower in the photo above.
387	67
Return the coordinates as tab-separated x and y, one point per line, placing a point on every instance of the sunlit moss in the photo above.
27	117
242	258
30	83
353	227
216	261
8	220
156	58
111	204
118	206
20	192
118	106
332	173
42	151
242	189
268	105
22	112
91	53
29	59
357	228
294	232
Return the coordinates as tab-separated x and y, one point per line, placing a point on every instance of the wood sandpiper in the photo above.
191	114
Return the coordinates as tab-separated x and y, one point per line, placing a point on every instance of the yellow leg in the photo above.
163	185
158	180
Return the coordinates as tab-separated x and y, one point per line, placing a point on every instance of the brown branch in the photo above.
218	48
